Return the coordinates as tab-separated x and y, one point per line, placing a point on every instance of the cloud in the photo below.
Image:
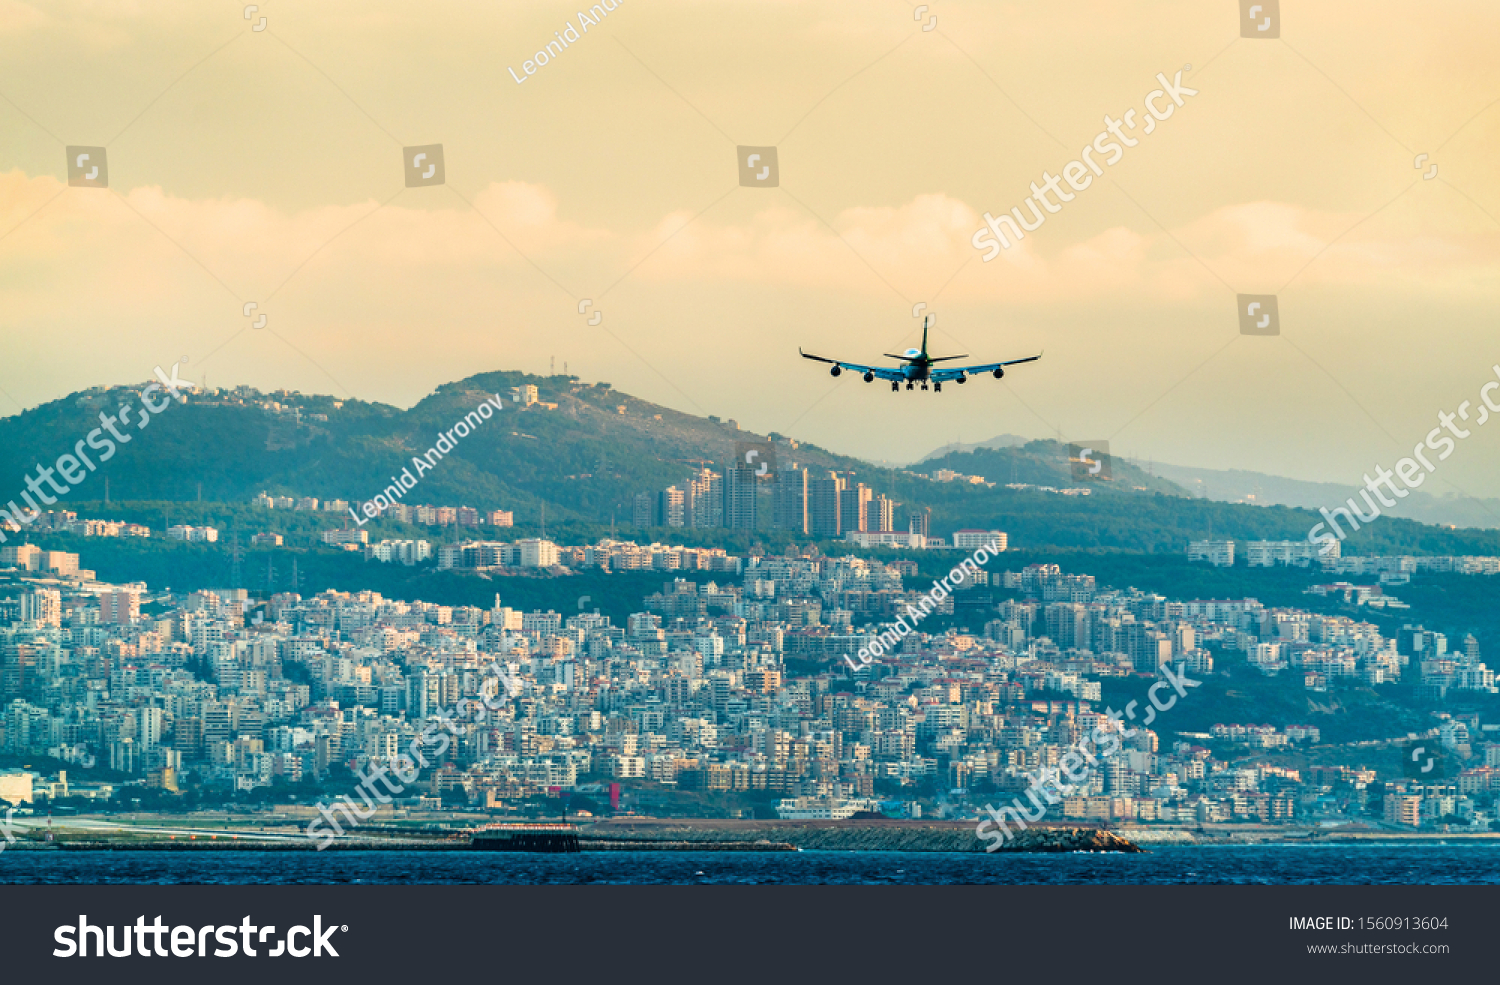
254	247
917	247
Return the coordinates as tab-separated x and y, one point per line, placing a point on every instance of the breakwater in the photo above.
657	845
246	845
857	836
633	834
527	838
554	838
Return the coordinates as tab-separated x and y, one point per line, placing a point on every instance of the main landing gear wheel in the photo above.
924	386
911	386
895	385
937	388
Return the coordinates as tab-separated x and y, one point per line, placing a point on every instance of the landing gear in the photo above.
895	385
937	388
924	385
911	386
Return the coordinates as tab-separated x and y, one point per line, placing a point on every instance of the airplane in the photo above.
917	368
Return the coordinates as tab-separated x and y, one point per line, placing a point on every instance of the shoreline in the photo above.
627	834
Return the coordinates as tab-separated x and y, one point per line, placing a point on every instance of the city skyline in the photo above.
738	688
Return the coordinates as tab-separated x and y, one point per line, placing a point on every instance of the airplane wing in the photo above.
879	372
944	375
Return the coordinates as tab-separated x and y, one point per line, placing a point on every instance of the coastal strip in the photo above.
652	835
872	835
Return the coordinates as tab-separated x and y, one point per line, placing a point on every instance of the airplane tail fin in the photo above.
924	335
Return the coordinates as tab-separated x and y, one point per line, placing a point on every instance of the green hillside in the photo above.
585	459
1137	512
581	455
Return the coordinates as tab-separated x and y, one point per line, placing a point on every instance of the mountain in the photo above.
999	441
1135	511
583	451
1240	486
1045	463
1262	489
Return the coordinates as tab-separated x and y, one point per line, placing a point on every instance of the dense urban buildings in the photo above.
734	683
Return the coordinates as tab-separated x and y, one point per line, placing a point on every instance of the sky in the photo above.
267	166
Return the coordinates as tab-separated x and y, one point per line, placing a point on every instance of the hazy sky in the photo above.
267	166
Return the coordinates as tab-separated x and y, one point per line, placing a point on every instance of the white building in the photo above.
1267	657
973	540
887	538
626	767
148	727
16	787
345	537
822	809
536	553
403	551
43	605
1219	553
200	534
1265	553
